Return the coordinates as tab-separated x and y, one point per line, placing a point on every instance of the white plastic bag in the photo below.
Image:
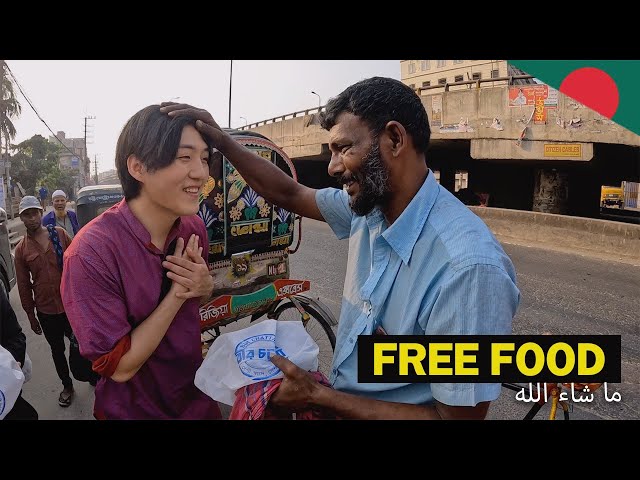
11	380
240	358
27	368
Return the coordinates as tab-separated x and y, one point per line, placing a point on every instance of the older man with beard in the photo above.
61	217
420	262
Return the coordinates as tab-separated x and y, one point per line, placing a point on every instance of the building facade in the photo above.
430	73
110	177
78	161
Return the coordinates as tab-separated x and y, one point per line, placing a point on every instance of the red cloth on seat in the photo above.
252	402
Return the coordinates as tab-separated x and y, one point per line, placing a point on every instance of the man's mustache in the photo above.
346	178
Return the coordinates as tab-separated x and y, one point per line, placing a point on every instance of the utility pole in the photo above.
230	83
84	165
95	169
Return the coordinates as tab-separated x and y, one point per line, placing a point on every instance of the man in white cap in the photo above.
61	217
38	259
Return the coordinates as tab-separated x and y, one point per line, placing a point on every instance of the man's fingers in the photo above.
185	282
166	107
177	269
208	130
283	364
195	113
183	262
179	248
193	240
196	257
187	295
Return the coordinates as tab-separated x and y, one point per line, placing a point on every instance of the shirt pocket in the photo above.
34	263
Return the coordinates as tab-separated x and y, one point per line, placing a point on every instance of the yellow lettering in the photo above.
553	364
406	358
379	357
522	364
435	358
497	358
461	358
583	349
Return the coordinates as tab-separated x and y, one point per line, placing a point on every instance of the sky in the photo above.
65	92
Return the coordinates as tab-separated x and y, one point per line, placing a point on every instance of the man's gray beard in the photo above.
373	180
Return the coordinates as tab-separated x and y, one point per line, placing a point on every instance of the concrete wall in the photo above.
299	137
576	233
302	136
479	107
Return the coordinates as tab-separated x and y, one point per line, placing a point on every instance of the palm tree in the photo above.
9	107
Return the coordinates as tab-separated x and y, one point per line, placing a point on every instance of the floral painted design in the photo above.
250	199
235	213
265	210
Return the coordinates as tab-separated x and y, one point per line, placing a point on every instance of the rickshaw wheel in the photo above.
318	326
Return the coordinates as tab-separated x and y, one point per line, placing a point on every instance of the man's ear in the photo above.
397	137
136	168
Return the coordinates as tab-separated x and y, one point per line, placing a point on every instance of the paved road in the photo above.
561	294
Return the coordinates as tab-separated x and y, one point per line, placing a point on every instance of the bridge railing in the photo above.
282	117
445	86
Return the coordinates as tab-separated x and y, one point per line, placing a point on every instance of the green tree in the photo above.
34	160
9	107
59	178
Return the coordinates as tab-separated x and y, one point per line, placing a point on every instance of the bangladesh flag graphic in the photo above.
610	87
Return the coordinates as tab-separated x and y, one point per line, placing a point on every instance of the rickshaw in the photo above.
249	242
249	247
91	201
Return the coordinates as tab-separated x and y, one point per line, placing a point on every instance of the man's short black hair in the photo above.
378	101
154	138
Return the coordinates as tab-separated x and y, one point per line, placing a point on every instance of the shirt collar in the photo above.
140	231
403	234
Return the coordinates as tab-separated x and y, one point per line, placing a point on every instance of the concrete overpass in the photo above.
548	155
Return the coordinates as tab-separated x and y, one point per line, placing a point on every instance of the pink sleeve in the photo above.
93	303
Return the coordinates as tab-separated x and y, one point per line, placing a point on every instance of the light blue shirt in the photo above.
438	270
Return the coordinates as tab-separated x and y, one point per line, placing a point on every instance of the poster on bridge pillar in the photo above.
526	95
540	112
436	111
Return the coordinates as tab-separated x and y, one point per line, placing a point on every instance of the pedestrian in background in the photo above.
61	216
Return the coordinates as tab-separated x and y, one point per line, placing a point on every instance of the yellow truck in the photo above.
611	197
624	197
621	203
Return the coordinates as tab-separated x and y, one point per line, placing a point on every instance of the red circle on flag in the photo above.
594	88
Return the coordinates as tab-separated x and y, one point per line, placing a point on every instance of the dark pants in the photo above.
22	410
55	328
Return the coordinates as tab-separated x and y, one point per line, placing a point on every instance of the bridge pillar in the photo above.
448	178
551	191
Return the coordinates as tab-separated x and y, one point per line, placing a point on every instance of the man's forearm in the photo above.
355	407
263	176
146	337
349	406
